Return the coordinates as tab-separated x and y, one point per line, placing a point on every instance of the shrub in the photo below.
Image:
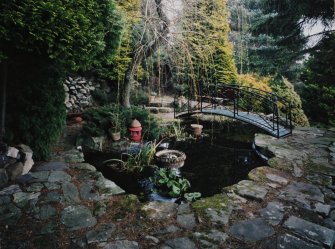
255	81
139	97
319	103
283	88
36	107
100	119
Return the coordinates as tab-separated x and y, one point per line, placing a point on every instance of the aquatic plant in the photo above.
167	181
136	161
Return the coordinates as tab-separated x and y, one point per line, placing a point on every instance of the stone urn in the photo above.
172	159
197	129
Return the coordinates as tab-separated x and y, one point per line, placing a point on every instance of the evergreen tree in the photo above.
205	42
318	77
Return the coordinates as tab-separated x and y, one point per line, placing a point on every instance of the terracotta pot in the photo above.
197	129
78	119
116	136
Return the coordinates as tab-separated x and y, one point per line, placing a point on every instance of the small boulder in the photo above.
14	170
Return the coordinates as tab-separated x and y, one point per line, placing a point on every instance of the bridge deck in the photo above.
250	118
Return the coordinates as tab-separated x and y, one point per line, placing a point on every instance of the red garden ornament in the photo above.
135	131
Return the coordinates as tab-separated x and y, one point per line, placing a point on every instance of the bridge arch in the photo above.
257	107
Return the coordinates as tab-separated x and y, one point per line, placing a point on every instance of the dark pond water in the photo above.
210	165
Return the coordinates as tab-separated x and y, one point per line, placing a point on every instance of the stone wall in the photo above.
78	93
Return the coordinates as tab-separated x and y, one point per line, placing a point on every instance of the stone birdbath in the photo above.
172	159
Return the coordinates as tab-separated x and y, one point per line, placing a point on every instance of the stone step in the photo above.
311	231
159	109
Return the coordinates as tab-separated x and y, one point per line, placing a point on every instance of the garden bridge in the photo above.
257	107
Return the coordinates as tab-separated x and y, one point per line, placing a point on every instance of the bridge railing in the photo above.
272	111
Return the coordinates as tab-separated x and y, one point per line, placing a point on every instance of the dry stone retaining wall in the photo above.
78	93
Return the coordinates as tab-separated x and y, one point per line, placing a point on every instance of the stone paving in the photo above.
67	203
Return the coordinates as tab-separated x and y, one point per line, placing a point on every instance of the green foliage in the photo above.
269	34
223	70
192	196
100	119
207	52
168	181
74	34
138	161
284	89
35	107
319	84
139	97
249	102
122	58
41	41
255	81
173	130
101	97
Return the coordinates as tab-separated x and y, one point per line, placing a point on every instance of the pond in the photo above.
212	163
211	166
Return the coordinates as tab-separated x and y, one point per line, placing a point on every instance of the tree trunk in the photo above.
3	100
128	79
137	58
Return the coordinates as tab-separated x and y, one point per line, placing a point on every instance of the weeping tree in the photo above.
204	53
148	35
188	39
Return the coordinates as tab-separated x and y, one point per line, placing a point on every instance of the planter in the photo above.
78	119
116	136
170	159
197	129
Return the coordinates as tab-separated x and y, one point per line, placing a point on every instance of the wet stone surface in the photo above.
211	239
182	242
47	211
101	234
302	194
250	189
74	206
160	210
219	216
273	213
9	214
59	176
86	191
251	230
122	244
10	190
77	217
311	231
288	241
70	192
51	166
